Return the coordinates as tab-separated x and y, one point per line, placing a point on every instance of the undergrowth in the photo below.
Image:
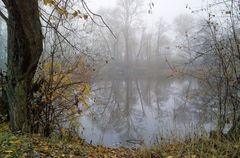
15	145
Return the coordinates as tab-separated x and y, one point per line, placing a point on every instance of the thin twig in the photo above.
94	14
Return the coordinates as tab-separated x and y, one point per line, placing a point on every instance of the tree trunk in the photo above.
24	51
3	100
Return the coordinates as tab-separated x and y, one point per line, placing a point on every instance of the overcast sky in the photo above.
167	9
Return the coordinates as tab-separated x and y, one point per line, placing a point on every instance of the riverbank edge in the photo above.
15	145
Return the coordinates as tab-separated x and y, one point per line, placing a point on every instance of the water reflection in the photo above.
141	112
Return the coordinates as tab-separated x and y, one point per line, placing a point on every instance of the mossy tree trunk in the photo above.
24	51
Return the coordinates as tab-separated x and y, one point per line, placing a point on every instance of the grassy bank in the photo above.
34	146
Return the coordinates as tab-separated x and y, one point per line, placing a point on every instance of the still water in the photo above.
133	112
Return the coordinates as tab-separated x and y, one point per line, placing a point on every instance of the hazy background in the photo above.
167	9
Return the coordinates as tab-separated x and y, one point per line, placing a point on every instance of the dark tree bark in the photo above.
24	50
3	98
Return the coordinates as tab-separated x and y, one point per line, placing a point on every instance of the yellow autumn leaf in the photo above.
83	101
86	89
74	109
62	130
7	156
45	2
105	156
15	142
67	79
46	148
236	146
8	151
75	14
50	2
62	11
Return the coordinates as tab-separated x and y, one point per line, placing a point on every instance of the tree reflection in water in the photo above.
129	112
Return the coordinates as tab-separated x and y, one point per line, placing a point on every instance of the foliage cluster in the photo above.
58	93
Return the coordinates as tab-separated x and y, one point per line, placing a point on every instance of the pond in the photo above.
136	112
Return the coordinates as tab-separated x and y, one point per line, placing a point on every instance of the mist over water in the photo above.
144	110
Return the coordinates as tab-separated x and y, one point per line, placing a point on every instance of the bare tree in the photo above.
214	50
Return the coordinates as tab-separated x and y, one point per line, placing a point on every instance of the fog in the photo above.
159	70
168	10
143	94
140	95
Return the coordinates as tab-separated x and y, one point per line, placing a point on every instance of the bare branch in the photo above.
94	14
3	16
61	35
